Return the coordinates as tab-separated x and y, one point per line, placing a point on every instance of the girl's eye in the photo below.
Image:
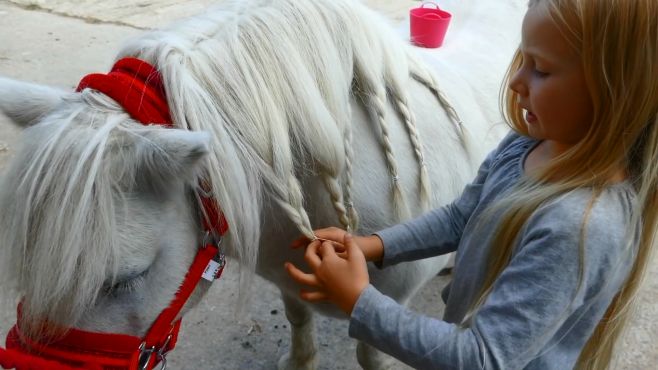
539	73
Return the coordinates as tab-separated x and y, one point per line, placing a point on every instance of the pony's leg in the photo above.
372	359
302	344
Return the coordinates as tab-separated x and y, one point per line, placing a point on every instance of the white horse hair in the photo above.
302	115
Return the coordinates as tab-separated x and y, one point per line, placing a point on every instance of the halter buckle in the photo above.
211	237
144	356
146	353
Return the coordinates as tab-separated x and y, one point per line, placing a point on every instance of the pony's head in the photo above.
98	225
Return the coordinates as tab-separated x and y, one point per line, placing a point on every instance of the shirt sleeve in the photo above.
438	231
529	303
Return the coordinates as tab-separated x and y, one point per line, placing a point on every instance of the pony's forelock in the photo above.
63	194
56	228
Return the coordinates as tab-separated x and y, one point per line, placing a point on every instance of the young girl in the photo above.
554	233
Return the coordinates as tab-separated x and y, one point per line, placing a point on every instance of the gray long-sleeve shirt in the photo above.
536	317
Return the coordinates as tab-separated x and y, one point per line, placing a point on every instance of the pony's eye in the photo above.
128	285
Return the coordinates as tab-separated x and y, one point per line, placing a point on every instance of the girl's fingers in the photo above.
302	277
354	253
327	249
311	255
350	245
338	247
315	296
331	233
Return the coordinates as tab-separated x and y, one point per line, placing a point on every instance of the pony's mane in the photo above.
272	81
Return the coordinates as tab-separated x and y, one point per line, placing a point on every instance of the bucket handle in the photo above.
430	3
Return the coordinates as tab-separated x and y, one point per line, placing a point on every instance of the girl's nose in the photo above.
517	83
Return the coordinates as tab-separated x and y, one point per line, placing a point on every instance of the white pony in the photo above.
303	114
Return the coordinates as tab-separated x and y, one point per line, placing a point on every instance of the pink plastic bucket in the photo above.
428	26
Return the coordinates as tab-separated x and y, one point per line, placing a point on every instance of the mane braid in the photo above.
352	214
402	105
426	77
377	101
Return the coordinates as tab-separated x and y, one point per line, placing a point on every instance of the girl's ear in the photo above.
25	103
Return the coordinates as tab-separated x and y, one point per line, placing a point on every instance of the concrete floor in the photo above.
54	42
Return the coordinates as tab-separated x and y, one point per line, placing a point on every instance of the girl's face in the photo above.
550	83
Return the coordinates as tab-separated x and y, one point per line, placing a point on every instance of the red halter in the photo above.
137	87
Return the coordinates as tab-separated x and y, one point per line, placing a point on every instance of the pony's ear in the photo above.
163	154
25	103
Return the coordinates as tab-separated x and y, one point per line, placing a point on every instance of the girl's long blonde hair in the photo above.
618	44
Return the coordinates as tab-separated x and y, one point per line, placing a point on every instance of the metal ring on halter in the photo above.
396	178
162	353
163	362
144	356
205	193
211	237
205	189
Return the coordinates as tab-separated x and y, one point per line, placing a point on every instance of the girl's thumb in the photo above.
348	242
350	245
354	253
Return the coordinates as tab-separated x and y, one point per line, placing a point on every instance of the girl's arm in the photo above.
535	307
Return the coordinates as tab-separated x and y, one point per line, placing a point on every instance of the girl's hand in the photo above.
339	280
371	246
